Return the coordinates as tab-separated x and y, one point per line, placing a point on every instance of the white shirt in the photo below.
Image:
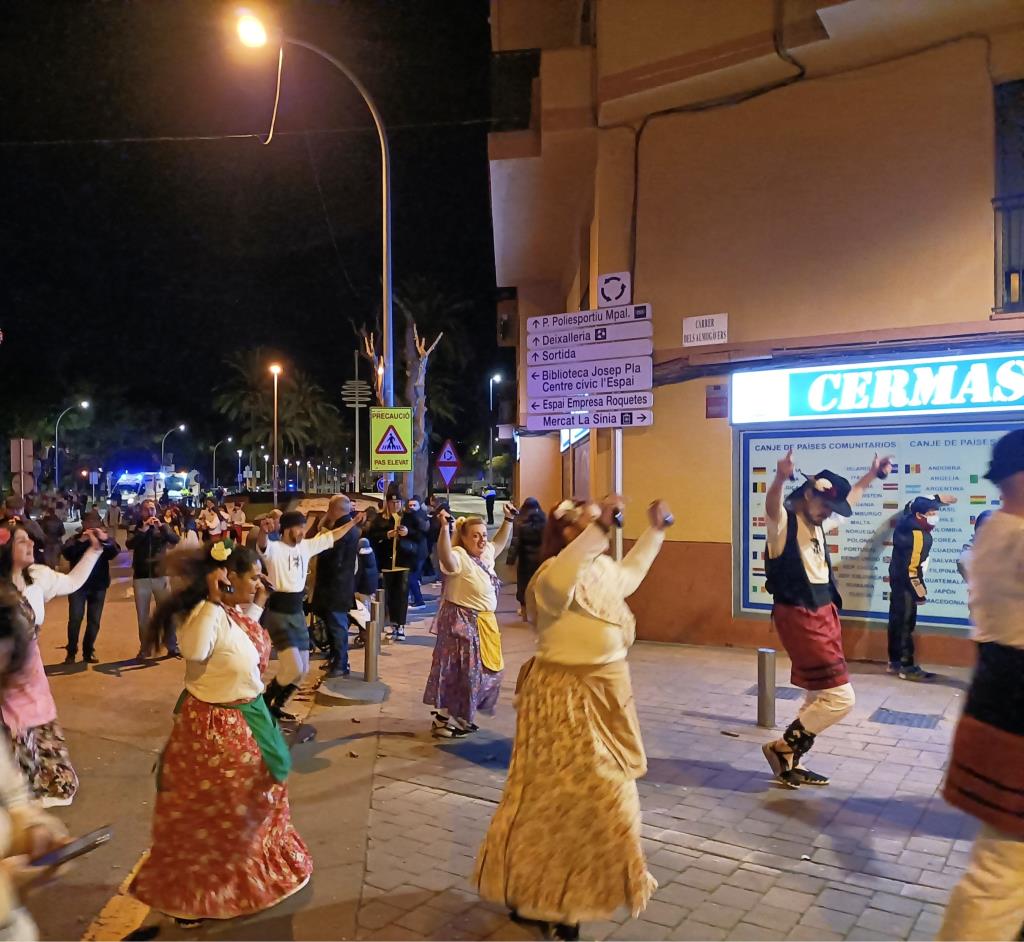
467	584
811	543
996	580
47	583
222	664
568	633
213	521
238	516
287	566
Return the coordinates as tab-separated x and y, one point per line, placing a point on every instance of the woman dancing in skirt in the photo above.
465	675
564	844
223	841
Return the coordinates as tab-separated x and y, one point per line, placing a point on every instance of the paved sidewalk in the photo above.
870	857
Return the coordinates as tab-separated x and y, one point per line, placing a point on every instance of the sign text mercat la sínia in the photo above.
926	386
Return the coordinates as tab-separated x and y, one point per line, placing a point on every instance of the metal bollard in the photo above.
766	687
372	648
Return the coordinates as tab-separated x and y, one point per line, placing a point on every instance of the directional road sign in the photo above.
626	419
600	402
634	373
585	352
604	317
391	437
634	330
448	462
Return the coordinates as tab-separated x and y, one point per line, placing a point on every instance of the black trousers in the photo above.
78	603
489	501
902	622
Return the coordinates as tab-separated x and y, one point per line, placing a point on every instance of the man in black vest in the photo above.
334	590
806	607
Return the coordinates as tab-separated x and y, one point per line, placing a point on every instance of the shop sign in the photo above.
967	383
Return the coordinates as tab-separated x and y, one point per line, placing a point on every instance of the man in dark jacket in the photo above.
911	545
148	539
412	547
381	530
334	588
93	594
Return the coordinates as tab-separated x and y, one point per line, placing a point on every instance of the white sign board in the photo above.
596	377
635	330
928	459
614	288
629	313
584	352
705	330
589	420
601	402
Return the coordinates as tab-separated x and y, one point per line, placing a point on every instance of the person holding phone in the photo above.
571	798
467	666
222	801
26	703
149	539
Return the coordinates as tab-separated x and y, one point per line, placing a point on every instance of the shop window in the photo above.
1009	201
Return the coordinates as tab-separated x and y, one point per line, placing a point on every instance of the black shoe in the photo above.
916	675
562	931
280	699
780	763
807	777
70	657
90	659
336	670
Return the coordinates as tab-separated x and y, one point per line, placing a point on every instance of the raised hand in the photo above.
787	466
660	515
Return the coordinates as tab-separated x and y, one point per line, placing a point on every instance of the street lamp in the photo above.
84	404
163	441
239	478
496	378
253	34
215	447
275	369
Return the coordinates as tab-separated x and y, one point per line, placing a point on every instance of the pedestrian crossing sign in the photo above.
391	435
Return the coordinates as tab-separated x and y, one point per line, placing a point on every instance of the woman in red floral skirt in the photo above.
223	841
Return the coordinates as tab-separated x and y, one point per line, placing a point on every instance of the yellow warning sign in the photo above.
391	437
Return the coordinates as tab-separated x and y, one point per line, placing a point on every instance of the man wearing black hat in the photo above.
911	546
287	565
806	607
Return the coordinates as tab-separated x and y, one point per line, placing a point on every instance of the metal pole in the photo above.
490	431
214	479
275	439
56	450
617	481
356	377
374	634
766	687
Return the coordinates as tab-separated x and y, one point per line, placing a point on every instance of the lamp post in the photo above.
252	33
275	369
215	447
285	474
84	404
266	458
239	478
496	378
163	441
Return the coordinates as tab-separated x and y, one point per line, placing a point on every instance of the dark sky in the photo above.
143	263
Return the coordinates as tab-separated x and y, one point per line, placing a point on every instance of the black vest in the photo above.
786	578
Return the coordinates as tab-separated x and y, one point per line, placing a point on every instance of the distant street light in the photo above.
275	369
163	441
215	447
253	34
84	404
496	378
239	478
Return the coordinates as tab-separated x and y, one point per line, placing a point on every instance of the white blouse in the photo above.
48	584
467	584
222	664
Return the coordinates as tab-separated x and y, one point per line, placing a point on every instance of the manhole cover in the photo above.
781	693
901	718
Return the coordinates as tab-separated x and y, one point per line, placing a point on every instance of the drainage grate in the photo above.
899	718
781	693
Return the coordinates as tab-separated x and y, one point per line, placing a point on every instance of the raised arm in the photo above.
637	562
198	635
879	468
57	583
773	499
504	534
445	554
557	584
338	532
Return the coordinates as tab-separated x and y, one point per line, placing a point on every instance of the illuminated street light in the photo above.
251	32
84	404
215	447
496	378
275	369
163	441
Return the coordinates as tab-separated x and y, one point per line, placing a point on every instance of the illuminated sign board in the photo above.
967	383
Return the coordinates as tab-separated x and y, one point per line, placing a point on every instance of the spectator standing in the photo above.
149	541
524	550
53	537
412	547
490	496
88	600
114	517
334	586
211	522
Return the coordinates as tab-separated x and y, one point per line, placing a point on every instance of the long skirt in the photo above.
43	756
223	841
564	844
459	683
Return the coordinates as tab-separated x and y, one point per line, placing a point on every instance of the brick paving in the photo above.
870	857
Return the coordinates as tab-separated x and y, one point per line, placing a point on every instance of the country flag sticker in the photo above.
979	499
975	479
760	470
890	487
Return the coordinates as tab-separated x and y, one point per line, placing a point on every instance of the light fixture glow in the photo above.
496	378
251	32
181	428
84	403
275	368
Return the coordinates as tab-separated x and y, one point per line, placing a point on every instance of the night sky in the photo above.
136	266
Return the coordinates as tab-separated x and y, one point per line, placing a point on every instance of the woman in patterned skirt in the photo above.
467	668
223	841
564	844
27	707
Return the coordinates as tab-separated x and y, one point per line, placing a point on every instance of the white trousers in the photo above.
293	664
988	902
825	708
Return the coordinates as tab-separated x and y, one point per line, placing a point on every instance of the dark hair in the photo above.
17	624
7	553
554	539
192	567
